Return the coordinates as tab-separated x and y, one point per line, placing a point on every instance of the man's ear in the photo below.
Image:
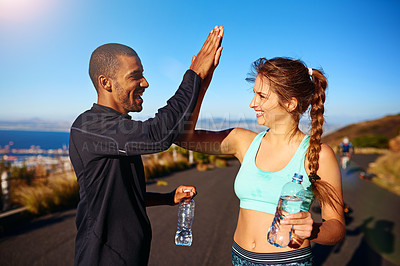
292	104
104	83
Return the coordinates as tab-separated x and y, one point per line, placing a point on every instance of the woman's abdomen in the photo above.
251	232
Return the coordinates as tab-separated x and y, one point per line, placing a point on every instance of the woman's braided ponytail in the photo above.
321	189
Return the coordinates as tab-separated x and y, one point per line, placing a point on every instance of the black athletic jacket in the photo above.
105	148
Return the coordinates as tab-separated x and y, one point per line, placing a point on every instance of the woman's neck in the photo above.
285	132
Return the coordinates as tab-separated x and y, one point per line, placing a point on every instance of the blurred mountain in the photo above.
388	126
36	124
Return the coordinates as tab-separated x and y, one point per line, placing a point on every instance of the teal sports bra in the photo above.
259	190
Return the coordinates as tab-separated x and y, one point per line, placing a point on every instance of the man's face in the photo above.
129	84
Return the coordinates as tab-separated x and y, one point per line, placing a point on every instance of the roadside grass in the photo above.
363	150
59	191
161	164
370	150
387	171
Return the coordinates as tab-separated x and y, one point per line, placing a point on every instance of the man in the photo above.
346	149
105	148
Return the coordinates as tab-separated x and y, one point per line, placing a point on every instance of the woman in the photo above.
284	89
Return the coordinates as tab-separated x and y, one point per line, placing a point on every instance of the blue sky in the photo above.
45	48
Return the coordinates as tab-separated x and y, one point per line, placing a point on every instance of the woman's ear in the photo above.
292	104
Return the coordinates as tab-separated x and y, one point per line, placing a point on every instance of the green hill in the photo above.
374	133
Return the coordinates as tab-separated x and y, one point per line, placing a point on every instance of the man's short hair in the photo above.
104	60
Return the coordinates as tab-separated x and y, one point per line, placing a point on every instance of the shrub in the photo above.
23	173
61	191
202	167
376	141
212	158
4	166
387	171
163	165
202	157
37	199
221	162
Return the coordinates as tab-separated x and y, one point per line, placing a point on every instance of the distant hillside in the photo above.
36	124
388	126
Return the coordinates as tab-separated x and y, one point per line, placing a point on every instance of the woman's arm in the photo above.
332	229
229	141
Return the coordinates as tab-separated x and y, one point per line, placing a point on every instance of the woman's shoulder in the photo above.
328	164
245	132
327	159
243	135
326	153
242	138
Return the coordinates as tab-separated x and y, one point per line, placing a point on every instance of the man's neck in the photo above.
110	104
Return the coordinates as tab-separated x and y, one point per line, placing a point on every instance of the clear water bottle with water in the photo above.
292	196
183	235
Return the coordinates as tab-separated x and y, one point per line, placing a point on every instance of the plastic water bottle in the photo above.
290	201
183	235
308	199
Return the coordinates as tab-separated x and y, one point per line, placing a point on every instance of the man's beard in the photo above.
124	100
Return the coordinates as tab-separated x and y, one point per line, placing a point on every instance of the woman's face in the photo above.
265	103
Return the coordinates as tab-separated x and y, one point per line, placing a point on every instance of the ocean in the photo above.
26	139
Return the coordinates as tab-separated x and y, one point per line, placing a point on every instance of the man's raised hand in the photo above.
208	58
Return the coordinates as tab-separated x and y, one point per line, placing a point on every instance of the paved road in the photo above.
214	223
46	241
50	240
373	233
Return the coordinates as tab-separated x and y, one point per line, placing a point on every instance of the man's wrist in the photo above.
171	198
195	72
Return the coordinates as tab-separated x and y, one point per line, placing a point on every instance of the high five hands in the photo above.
207	59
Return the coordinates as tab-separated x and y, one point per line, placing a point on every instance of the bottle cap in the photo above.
298	177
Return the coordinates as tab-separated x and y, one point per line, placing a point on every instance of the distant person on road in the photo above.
346	150
106	147
284	89
346	147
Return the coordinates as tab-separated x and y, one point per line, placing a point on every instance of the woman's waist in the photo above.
302	256
252	229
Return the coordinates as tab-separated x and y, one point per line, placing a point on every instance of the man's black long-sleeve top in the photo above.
105	148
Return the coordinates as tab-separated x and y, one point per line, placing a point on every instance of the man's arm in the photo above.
204	65
191	123
190	138
211	49
126	137
172	198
